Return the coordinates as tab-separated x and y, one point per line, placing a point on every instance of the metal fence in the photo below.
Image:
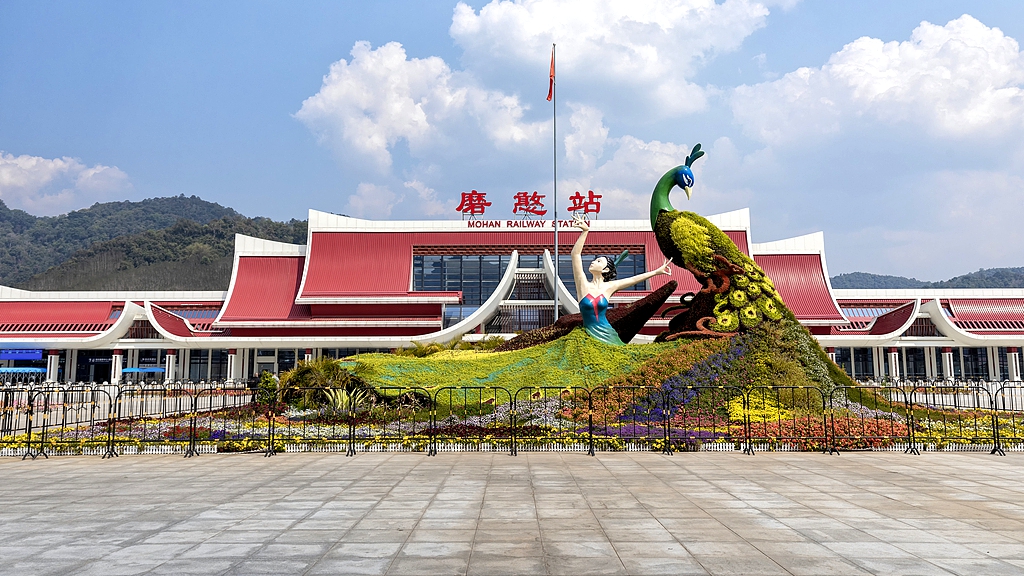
195	418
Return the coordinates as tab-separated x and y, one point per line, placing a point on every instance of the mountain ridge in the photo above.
983	278
30	245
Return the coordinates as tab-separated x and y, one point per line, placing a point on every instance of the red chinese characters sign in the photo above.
527	204
591	204
473	203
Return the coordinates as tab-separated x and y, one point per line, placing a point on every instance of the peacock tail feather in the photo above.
751	298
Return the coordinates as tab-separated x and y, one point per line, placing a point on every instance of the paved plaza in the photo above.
538	513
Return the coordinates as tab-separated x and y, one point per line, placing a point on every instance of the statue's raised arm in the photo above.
593	294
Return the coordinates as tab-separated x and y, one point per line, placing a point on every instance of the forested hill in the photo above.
185	256
984	278
31	244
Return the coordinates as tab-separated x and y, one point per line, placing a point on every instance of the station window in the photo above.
477	276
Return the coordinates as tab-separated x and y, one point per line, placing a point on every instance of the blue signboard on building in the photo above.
21	354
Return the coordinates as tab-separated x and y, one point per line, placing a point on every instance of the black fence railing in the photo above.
191	419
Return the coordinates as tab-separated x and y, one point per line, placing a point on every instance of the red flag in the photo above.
551	76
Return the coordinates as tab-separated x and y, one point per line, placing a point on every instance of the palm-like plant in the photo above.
342	402
311	382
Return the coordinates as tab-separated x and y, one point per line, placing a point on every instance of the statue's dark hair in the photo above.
609	273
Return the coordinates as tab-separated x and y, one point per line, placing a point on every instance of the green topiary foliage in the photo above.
573	360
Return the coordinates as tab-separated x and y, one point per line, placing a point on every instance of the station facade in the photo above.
359	285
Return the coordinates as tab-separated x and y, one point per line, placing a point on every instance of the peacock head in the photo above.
684	179
684	175
681	176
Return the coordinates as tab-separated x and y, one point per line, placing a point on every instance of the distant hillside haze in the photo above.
31	244
185	256
984	278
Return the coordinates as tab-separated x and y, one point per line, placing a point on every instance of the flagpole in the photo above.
554	167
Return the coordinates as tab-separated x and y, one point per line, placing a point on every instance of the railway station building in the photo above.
361	285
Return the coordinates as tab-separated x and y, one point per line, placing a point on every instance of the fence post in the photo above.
111	427
829	414
351	451
996	444
191	451
666	416
432	424
908	398
271	422
590	421
31	416
748	446
513	418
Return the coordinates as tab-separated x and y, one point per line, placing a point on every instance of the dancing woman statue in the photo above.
593	294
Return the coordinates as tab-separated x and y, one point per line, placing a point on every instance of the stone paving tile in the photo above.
479	513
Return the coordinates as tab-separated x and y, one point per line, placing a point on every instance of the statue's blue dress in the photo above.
594	321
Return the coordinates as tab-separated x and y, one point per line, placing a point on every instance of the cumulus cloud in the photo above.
417	123
954	80
49	186
911	140
381	98
372	201
648	49
430	203
620	169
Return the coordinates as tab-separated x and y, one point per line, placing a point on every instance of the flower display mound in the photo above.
575	359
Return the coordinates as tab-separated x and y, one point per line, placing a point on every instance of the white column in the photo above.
309	355
894	363
184	362
1013	363
993	363
878	362
232	365
929	363
244	367
71	366
169	365
947	363
115	367
52	365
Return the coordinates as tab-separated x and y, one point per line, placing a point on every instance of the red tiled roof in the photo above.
174	324
988	315
800	281
892	321
56	317
264	289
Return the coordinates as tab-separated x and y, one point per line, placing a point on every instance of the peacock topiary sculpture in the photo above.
736	293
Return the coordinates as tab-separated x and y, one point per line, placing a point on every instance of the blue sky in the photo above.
895	127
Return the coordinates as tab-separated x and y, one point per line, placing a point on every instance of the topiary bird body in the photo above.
736	293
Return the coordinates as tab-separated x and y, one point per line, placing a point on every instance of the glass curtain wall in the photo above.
864	363
975	363
477	276
915	364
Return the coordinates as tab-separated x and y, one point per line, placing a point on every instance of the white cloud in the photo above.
955	229
960	79
396	121
430	204
648	49
45	186
909	154
626	176
381	97
372	201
